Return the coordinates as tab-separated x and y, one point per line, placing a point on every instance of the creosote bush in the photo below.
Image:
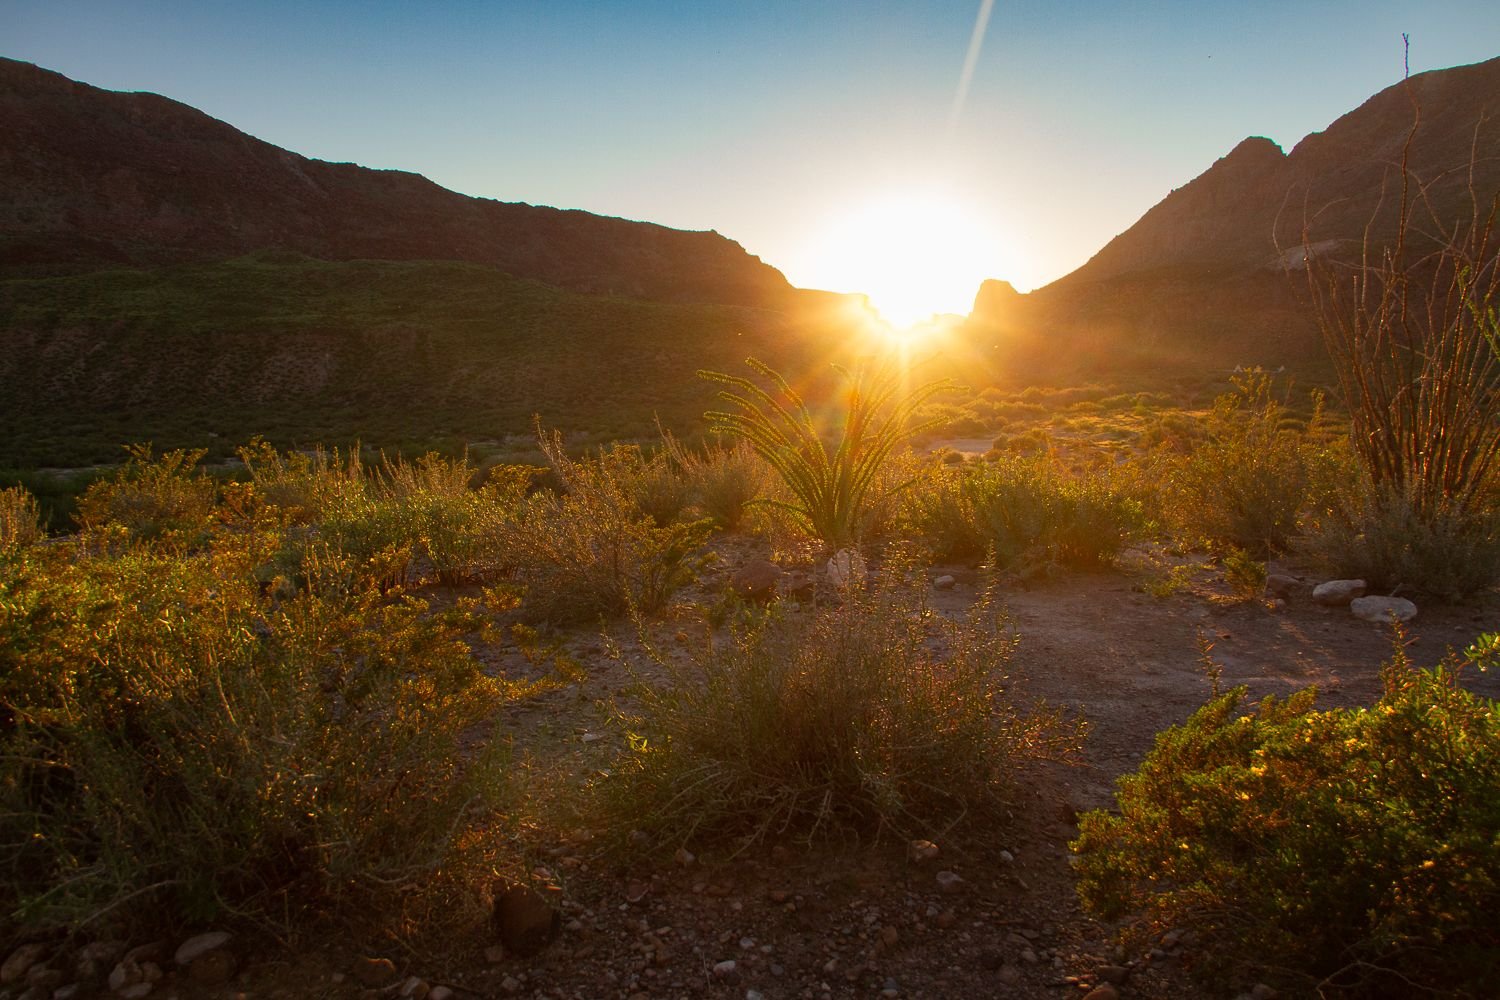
20	519
589	551
1026	513
1243	484
152	498
179	746
1350	851
875	716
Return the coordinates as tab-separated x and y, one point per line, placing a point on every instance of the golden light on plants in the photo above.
916	253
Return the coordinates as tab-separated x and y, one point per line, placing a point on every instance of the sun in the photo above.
915	253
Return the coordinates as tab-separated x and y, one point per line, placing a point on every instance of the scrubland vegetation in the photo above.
260	694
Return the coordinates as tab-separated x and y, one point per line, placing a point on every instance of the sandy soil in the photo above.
866	920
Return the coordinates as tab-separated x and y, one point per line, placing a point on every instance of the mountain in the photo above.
1212	274
93	178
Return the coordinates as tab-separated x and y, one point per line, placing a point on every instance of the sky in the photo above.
832	139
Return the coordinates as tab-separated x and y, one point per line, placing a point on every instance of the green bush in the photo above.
722	480
1244	484
20	519
1384	538
1027	512
1342	851
877	715
151	498
589	552
179	747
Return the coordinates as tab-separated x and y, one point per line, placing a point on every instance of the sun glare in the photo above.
915	254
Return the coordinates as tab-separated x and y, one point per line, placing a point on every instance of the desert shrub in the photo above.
653	483
722	479
1343	851
177	741
1027	512
20	519
1384	538
831	488
1245	574
460	530
589	552
151	498
874	716
1244	484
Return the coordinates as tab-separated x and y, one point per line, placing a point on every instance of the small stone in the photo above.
684	857
944	582
136	991
754	995
440	993
1282	586
889	936
524	920
1338	593
495	954
592	737
1104	991
1116	974
726	969
1007	857
510	985
212	968
20	962
1010	974
44	978
922	850
72	991
847	569
1260	991
415	989
374	972
950	882
1029	957
946	919
1383	609
200	944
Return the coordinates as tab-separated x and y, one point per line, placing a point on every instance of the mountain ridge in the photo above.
102	178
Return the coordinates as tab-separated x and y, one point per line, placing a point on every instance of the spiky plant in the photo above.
831	485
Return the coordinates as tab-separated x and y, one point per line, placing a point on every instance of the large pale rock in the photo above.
200	944
1383	609
1338	593
847	569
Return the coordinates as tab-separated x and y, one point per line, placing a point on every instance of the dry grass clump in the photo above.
588	551
20	519
877	715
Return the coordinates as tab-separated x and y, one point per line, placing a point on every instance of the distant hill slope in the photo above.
92	178
302	351
1200	279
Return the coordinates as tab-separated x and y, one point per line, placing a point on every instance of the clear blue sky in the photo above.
771	121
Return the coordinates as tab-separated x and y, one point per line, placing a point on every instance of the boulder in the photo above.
1338	593
1383	609
756	580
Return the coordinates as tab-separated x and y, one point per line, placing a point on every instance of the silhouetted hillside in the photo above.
90	178
1202	277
